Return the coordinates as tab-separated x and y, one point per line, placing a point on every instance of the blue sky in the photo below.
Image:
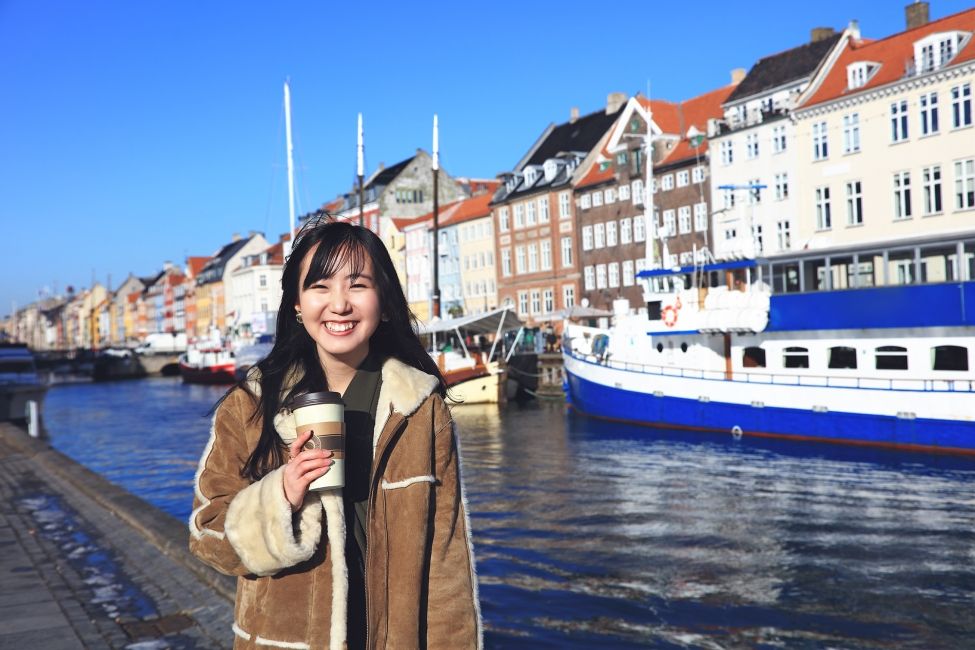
135	132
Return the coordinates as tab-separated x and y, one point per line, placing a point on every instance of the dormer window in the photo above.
531	175
551	169
857	74
937	50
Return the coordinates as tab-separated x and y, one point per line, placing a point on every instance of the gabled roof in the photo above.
895	54
459	211
580	135
780	69
386	175
696	112
213	270
195	264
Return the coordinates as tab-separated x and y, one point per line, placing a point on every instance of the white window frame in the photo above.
626	232
902	196
683	178
965	184
568	295
820	141
667	182
670	223
533	258
520	259
961	106
600	276
639	229
610	233
751	146
546	254
899	121
684	219
624	192
854	203
587	241
599	235
597	199
565	209
932	190
851	133
824	212
589	276
628	274
566	249
928	104
778	139
701	216
543	216
519	212
614	274
697	174
781	186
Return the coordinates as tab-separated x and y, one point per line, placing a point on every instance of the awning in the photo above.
683	270
573	313
476	323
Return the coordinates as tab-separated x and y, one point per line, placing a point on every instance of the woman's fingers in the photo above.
298	443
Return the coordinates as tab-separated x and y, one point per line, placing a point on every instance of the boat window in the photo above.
660	347
654	310
938	264
683	347
901	267
785	278
842	273
842	356
753	357
950	357
891	357
795	358
814	275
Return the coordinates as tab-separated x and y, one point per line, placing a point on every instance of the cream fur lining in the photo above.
259	527
195	530
281	644
406	482
403	390
240	632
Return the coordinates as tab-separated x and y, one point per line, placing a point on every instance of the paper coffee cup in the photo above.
324	415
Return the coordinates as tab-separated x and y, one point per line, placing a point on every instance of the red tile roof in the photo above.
893	54
196	264
696	112
404	222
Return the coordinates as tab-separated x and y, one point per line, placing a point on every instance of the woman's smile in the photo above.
340	328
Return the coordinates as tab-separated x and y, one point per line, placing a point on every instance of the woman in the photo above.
388	562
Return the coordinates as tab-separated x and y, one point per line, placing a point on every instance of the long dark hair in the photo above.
294	350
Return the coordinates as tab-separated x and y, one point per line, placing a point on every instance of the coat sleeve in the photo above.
453	610
239	527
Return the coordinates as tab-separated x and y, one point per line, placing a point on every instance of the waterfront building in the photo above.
159	301
886	139
417	259
476	255
535	230
212	309
609	195
119	312
755	145
194	264
255	290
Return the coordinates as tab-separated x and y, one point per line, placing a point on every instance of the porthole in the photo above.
683	347
660	347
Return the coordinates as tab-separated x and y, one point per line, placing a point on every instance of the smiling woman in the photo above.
406	566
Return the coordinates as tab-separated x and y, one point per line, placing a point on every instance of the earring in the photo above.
385	318
298	317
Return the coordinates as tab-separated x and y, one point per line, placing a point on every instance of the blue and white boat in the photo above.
872	345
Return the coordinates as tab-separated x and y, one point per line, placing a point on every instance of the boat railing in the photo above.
787	379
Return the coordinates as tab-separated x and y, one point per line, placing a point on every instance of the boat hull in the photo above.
222	374
485	389
659	400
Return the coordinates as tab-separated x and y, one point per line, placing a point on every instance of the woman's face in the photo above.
340	312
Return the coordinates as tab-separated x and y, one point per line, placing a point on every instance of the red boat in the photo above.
207	366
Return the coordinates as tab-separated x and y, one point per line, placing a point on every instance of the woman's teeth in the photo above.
339	327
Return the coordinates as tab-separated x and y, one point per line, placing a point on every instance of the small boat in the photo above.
117	363
19	382
472	377
207	365
248	355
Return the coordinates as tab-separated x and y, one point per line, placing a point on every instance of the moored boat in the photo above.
847	345
19	382
207	365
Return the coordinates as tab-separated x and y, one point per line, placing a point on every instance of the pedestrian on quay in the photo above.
386	561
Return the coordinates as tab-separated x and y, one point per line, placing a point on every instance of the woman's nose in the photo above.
339	303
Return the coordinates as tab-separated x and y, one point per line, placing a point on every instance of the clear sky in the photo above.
139	131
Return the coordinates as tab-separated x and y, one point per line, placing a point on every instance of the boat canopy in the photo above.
683	270
574	312
497	321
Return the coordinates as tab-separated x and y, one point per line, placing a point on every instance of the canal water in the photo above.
592	535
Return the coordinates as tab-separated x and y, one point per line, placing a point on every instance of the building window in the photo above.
522	303
683	178
568	296
929	113
600	276
609	194
636	163
891	357
729	199
587	238
543	210
519	215
697	174
667	182
961	106
597	199
824	219
626	234
854	204
589	273
506	262
670	223
599	235
546	245
628	278
727	153
519	259
566	251
902	195
585	202
950	357
548	301
784	236
536	301
754	191
564	211
624	192
965	184
610	233
795	357
898	121
637	187
753	357
842	356
781	187
614	274
639	229
530	213
820	144
931	178
262	281
684	219
778	139
532	258
700	216
751	146
851	133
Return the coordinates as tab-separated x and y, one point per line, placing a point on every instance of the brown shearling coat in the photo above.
292	584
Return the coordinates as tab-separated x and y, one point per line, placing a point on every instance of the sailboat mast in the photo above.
649	220
436	218
360	169
291	168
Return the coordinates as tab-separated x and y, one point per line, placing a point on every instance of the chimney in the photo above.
737	76
820	34
167	265
917	14
614	102
573	114
235	237
854	29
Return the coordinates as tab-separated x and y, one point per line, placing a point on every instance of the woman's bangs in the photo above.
329	257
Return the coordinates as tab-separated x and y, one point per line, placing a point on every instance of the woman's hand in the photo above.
304	467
